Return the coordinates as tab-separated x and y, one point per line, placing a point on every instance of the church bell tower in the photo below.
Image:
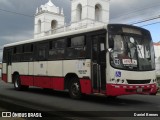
89	11
47	17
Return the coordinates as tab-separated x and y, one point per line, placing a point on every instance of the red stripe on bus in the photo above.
43	82
117	90
85	86
58	83
4	77
27	80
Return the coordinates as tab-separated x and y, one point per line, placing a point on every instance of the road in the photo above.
53	101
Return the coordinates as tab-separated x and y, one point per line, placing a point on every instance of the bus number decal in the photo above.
82	71
129	62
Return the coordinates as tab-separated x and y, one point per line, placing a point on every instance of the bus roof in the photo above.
62	34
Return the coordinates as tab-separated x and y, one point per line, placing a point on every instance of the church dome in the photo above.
50	3
49	6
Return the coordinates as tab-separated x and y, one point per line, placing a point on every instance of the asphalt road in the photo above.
53	101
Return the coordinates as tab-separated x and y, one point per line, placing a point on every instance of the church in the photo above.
49	19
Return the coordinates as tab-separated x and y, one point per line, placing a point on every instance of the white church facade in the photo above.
49	19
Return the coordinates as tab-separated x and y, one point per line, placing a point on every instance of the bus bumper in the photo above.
117	89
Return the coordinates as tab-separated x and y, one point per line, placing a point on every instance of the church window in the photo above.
53	24
79	12
98	12
39	26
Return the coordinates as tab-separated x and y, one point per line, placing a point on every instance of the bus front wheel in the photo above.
17	83
74	89
153	93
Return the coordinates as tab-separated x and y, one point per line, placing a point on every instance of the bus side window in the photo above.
76	47
4	59
7	56
60	48
69	50
56	50
43	51
17	53
28	52
15	50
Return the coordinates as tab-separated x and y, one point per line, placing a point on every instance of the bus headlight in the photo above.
155	80
122	81
113	79
118	80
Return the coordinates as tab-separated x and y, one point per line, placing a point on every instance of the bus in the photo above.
113	60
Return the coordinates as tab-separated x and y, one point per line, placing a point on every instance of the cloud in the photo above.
5	3
24	35
127	11
20	36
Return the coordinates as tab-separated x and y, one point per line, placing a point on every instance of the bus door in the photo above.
9	65
99	63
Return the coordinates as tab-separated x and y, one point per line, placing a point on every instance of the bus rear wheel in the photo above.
17	83
74	89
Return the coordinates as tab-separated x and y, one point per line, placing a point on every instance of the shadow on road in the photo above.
98	99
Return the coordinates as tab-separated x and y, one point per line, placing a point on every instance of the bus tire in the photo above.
153	93
17	83
74	89
111	97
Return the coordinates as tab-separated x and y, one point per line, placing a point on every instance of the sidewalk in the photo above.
158	93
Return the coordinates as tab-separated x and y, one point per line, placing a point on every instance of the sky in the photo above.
15	27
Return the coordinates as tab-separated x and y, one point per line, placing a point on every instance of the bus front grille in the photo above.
139	81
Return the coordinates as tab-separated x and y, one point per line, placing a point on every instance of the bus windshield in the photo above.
132	52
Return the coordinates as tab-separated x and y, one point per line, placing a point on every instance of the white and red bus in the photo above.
113	60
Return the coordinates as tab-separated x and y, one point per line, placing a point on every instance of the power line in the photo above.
136	11
157	17
16	13
150	24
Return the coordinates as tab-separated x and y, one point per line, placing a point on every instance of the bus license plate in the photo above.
139	90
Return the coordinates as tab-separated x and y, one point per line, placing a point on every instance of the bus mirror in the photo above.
110	50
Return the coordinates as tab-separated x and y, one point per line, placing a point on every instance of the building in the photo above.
157	57
49	19
0	70
87	12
